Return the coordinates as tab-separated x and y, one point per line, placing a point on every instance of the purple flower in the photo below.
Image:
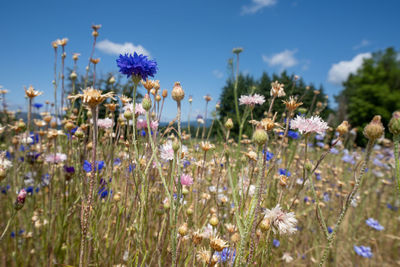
363	251
371	222
276	243
138	65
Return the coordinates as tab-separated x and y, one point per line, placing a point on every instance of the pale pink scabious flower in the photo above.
141	124
154	125
139	110
56	158
105	123
251	100
281	221
309	125
186	179
167	153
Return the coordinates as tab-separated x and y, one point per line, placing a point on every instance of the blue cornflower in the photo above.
318	176
226	254
45	179
334	151
87	166
186	163
38	105
69	169
330	230
276	243
391	207
284	172
132	167
143	133
319	137
117	161
363	251
326	197
103	192
269	155
29	189
12	234
371	222
348	159
320	144
137	65
293	134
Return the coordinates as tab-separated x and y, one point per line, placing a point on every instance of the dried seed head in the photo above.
374	129
177	92
217	244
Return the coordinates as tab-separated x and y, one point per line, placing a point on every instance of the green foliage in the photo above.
373	90
262	86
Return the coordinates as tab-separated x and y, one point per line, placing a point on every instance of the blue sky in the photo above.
322	41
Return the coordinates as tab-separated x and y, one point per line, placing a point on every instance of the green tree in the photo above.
373	90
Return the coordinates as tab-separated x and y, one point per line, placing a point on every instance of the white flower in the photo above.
5	163
287	258
105	123
281	221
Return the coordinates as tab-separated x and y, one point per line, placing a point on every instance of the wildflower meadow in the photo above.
94	176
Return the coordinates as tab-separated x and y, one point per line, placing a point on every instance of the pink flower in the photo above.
21	196
139	110
154	125
56	158
141	124
186	179
105	123
251	100
309	125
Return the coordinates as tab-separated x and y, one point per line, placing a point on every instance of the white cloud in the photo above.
112	48
218	74
362	44
341	70
257	5
284	59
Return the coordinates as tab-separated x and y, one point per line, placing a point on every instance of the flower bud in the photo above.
265	224
260	137
183	229
175	145
164	93
73	76
229	124
19	203
79	133
214	220
374	129
2	174
394	123
177	92
128	115
146	103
